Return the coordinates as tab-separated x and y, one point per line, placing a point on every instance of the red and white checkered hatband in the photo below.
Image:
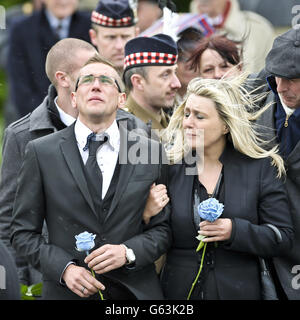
149	58
102	20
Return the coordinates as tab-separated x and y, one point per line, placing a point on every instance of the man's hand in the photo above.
80	281
106	258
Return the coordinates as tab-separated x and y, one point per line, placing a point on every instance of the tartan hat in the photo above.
115	13
283	59
159	50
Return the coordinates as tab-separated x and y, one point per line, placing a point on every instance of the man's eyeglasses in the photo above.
90	78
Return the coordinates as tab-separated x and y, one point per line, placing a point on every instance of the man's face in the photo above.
97	101
61	8
110	42
289	91
160	86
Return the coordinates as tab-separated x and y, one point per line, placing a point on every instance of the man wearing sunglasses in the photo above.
93	176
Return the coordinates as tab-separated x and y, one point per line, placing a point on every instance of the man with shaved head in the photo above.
53	114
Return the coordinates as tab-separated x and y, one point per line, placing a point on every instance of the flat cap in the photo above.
115	13
283	59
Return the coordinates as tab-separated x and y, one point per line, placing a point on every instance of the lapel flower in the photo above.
84	243
210	210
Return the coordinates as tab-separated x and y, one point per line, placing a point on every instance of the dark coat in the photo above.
9	281
16	136
34	125
30	40
253	196
52	186
291	259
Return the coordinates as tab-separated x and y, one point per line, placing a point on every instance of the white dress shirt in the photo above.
107	154
64	117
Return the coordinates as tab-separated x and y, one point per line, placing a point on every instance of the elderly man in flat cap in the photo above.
150	76
282	71
113	24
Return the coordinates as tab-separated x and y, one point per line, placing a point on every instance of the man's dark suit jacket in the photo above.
52	186
30	40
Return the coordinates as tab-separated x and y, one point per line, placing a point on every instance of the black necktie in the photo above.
93	171
57	30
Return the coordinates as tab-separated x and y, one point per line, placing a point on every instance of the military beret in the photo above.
159	50
115	13
283	59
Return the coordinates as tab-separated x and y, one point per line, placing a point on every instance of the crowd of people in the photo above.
121	141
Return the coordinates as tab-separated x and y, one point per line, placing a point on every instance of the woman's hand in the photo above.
156	201
219	230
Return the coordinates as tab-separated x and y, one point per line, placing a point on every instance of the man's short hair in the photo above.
142	71
62	57
97	58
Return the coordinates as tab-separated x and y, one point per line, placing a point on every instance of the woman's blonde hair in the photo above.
237	108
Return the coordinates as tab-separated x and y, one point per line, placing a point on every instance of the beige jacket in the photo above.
255	29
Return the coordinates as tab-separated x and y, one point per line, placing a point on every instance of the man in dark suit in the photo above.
53	114
30	40
56	183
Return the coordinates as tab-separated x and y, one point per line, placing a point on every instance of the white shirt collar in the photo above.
287	110
64	117
82	132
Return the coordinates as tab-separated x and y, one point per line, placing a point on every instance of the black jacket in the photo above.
59	194
253	196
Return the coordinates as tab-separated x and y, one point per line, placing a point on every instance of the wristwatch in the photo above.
130	256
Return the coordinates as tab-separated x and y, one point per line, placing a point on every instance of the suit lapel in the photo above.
73	159
126	168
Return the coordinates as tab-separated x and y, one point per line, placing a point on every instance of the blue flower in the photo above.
85	241
210	209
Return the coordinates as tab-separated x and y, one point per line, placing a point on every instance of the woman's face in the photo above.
202	123
213	66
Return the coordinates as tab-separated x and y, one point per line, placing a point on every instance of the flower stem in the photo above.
93	273
198	274
100	293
